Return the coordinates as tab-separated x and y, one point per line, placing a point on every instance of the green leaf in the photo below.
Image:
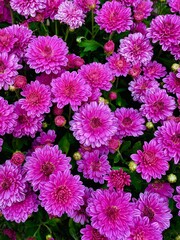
64	144
117	158
72	230
125	146
89	45
137	146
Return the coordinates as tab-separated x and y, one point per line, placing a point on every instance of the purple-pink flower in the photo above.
164	189
90	233
154	70
177	199
172	83
142	9
174	5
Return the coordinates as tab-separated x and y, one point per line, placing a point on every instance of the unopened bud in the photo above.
103	100
20	81
149	125
109	47
18	158
132	166
12	88
77	156
44	125
57	111
175	67
172	178
178	237
112	96
49	237
60	121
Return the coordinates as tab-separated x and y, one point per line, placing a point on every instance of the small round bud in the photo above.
18	158
12	88
114	144
77	156
103	100
178	237
109	47
49	237
172	178
20	81
175	67
112	96
44	125
149	125
132	166
57	111
60	121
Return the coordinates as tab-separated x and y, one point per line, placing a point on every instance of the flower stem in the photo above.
66	35
56	27
92	22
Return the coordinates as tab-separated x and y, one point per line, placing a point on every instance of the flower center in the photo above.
149	158
33	98
47	51
112	213
120	63
95	122
47	168
62	194
95	165
139	236
148	212
69	90
6	184
159	105
23	119
2	67
176	138
126	121
97	236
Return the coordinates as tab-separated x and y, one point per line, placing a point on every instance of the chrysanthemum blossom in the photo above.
87	5
151	162
130	122
8	69
136	48
154	70
7	117
153	206
12	184
174	5
21	211
90	233
164	189
165	29
172	83
118	65
37	99
175	51
94	166
28	7
142	10
157	105
177	199
46	79
47	54
111	213
71	14
143	229
6	40
71	89
52	8
139	27
168	137
139	86
63	193
46	138
94	124
44	162
118	179
74	61
113	16
5	14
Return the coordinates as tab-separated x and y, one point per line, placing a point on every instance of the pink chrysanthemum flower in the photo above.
37	99
111	213
8	69
113	16
139	27
154	70
142	10
7	117
175	51
130	122
177	199
162	188
153	206
174	5
46	138
94	124
74	61
28	7
136	48
47	54
71	89
94	166
52	8
21	211
12	184
5	14
6	40
118	65
71	14
130	2
139	86
87	5
23	37
168	137
165	29
26	125
44	162
157	105
63	193
178	73
90	233
80	216
46	79
151	162
172	83
118	179
143	229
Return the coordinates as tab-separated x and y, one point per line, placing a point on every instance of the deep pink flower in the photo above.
165	29
168	138
175	51
139	27
7	117
154	70
174	5
111	213
136	48
109	47
37	99
63	193
21	211
47	54
46	79
135	70
71	89
172	83
113	16
10	233
71	14
162	188
52	8
151	162
44	162
46	138
94	166
94	124
28	7
118	65
90	233
74	61
5	14
157	105
142	10
6	40
177	199
17	158
130	122
153	206
8	69
12	184
20	81
87	5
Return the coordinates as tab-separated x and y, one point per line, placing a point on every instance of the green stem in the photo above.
92	22
56	27
117	81
47	228
45	29
67	33
37	230
12	16
111	35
